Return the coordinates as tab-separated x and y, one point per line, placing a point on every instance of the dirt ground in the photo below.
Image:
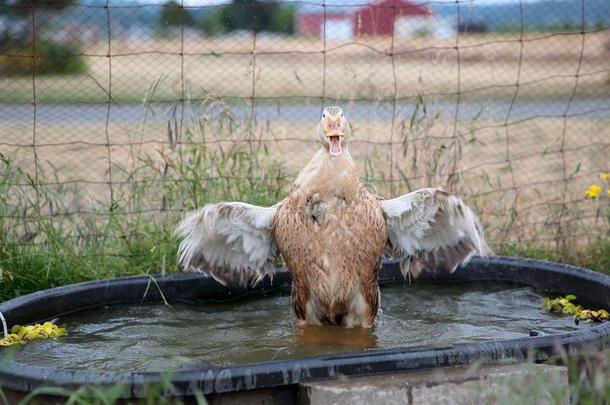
540	64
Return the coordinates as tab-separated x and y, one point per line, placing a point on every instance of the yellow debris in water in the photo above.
592	316
21	334
562	305
565	305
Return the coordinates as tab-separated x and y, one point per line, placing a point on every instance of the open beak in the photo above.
335	136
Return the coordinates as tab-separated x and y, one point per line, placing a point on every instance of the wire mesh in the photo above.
132	109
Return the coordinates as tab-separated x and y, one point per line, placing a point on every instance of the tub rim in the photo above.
592	288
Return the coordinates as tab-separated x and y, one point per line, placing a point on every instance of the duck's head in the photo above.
333	130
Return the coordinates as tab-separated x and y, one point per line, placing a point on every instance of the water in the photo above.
160	338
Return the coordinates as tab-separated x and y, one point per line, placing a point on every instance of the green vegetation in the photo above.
100	395
589	377
49	237
23	8
49	58
42	245
54	233
173	17
595	256
211	23
247	15
45	56
283	20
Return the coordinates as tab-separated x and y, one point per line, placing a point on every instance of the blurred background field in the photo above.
117	116
491	65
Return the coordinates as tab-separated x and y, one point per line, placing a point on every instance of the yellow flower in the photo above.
593	191
605	175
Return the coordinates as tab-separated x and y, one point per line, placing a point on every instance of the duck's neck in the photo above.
327	173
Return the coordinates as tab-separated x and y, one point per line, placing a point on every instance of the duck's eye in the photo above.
323	115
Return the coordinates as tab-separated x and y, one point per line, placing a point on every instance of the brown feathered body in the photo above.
332	234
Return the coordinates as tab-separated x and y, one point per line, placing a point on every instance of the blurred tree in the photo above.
212	22
22	8
50	56
17	28
251	15
173	15
247	14
282	20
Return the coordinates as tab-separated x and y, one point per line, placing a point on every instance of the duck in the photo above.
332	234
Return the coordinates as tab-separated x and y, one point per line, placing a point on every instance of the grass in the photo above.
589	377
99	395
594	256
513	175
53	235
55	230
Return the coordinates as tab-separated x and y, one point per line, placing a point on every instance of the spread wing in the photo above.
432	229
232	241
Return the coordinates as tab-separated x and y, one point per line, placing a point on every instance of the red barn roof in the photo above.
379	18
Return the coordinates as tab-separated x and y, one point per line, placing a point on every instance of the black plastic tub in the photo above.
592	289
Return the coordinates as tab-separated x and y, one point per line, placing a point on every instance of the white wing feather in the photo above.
232	241
432	229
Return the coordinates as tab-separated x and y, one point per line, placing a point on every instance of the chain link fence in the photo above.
133	111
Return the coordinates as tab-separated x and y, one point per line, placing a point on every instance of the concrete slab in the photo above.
516	383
